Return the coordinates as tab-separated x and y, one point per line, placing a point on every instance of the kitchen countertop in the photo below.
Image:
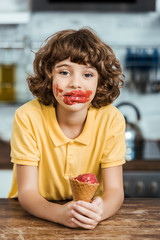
136	219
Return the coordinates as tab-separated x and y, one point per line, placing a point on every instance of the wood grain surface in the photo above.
137	219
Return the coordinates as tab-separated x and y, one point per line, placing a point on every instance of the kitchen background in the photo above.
133	35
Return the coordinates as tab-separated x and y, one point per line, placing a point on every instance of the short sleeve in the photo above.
23	143
115	148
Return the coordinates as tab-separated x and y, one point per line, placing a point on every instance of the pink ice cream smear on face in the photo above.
87	177
77	96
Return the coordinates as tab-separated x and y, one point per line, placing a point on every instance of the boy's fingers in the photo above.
89	206
97	200
82	218
86	212
83	225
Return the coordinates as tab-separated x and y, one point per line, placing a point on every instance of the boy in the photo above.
71	128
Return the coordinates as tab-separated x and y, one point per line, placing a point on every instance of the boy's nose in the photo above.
75	82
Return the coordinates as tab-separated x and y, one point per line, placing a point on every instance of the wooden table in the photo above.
137	219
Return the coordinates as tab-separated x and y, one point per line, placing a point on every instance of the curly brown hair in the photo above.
81	46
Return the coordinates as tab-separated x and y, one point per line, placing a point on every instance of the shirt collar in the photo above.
56	134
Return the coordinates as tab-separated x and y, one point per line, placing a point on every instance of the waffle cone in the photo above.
82	190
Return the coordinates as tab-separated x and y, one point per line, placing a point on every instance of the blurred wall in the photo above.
119	30
114	28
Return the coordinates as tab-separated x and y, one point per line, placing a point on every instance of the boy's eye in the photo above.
64	72
88	75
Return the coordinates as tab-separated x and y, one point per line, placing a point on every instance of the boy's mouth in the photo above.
76	96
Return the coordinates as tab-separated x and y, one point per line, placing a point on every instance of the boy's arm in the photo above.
34	203
113	193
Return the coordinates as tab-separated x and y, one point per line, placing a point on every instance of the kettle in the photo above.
133	136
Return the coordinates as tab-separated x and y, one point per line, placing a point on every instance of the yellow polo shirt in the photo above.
37	140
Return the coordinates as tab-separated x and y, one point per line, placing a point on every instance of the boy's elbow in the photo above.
23	198
120	194
26	198
122	197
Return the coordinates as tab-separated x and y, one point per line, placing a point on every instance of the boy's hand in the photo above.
66	215
87	215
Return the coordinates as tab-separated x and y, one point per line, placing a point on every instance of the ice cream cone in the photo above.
82	190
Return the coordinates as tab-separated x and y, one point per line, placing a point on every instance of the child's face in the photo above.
74	85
